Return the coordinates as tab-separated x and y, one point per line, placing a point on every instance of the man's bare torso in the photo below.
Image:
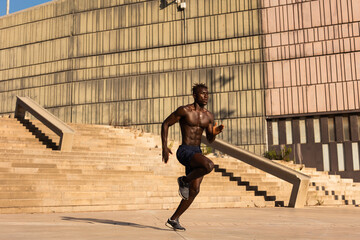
193	123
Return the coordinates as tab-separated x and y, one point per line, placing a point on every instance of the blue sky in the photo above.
17	5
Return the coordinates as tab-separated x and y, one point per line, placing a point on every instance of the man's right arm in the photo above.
169	121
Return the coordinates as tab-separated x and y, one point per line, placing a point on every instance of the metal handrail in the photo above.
299	180
66	133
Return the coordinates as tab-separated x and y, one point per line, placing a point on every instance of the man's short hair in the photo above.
197	86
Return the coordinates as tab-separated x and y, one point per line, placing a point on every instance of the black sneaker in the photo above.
175	225
183	189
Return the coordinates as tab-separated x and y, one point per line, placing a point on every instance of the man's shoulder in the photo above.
183	109
188	107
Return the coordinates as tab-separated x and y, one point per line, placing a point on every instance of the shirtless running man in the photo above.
193	119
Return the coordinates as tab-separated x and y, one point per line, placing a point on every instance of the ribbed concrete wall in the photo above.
312	54
130	63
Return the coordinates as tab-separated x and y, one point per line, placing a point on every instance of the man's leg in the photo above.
194	190
201	165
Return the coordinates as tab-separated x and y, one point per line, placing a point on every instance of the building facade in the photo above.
268	64
311	50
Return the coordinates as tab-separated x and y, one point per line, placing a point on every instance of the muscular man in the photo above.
193	119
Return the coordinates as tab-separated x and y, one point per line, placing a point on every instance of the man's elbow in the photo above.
210	139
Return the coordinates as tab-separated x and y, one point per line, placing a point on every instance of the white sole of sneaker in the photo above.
184	198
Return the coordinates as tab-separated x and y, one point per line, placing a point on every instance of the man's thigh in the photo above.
199	160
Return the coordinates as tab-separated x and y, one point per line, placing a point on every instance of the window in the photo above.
275	133
326	159
355	155
317	134
346	128
340	155
302	126
331	129
288	130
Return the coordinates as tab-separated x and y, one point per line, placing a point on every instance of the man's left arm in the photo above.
212	130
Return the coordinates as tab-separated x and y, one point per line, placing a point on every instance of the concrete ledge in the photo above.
66	133
299	180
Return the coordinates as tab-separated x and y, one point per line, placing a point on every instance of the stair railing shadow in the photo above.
38	134
248	186
112	222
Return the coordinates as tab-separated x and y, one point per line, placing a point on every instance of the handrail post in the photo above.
66	142
299	193
19	111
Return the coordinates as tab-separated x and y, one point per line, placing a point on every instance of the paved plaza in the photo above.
241	223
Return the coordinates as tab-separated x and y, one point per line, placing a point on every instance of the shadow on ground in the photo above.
112	222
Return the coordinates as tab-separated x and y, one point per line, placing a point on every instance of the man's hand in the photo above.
217	129
165	154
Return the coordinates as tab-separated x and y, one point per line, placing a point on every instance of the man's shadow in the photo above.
105	221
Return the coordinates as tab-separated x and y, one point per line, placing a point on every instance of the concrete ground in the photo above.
241	223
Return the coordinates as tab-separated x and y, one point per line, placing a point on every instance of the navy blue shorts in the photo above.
185	153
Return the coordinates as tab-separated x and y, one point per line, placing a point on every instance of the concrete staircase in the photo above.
108	169
253	179
118	169
328	189
324	189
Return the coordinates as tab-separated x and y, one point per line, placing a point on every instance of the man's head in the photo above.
200	93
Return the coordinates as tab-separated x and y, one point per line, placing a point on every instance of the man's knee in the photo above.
209	166
194	191
200	161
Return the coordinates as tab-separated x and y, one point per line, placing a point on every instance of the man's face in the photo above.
201	96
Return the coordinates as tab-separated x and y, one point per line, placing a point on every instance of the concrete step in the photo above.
120	195
110	201
163	189
118	207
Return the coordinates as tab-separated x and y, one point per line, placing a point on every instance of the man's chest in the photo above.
195	118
